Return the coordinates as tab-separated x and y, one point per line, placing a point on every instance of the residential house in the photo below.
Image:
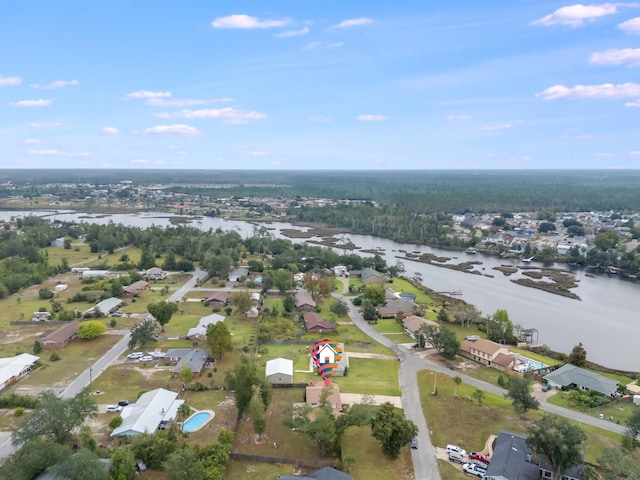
60	337
152	411
154	273
395	307
413	324
195	358
304	301
313	394
105	307
313	322
512	459
14	368
279	371
200	331
135	289
218	299
40	316
576	377
489	353
371	276
237	274
326	473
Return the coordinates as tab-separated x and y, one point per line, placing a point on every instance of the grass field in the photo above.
256	471
371	376
403	285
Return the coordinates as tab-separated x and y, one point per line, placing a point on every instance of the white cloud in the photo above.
606	90
32	103
163	115
353	22
634	153
459	117
46	124
31	141
314	45
109	130
630	56
140	161
631	26
227	114
56	84
183	102
604	155
247	22
57	153
292	33
148	94
372	118
180	130
10	81
320	118
633	104
495	128
577	15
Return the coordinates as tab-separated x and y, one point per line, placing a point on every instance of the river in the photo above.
606	319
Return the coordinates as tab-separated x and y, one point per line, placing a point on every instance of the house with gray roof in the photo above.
326	473
304	301
394	307
238	273
195	358
105	307
576	377
200	330
152	411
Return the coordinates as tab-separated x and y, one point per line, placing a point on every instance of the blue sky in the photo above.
400	84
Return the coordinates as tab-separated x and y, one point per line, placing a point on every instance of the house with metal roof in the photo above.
152	411
105	307
238	273
14	368
279	370
200	330
572	376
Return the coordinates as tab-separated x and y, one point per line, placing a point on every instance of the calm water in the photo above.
606	320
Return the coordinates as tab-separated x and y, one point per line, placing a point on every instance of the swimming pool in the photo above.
197	421
535	365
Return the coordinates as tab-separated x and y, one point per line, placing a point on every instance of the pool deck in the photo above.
213	415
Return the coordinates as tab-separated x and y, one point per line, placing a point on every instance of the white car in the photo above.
135	355
474	469
114	408
456	449
146	358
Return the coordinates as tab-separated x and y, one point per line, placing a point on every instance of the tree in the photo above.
633	427
442	339
392	429
162	312
618	463
256	410
375	294
37	347
33	458
184	464
91	329
464	313
147	259
186	374
123	464
143	333
443	316
478	396
219	339
500	327
558	440
289	303
56	418
457	380
242	302
369	312
169	261
242	379
578	356
546	227
349	460
82	465
339	308
183	411
521	398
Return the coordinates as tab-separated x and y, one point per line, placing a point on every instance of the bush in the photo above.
18	412
245	349
13	400
37	348
209	375
115	422
357	301
199	387
113	322
54	357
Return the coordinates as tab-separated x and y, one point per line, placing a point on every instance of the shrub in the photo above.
502	381
357	301
13	400
18	412
37	348
54	357
113	322
245	349
209	374
115	422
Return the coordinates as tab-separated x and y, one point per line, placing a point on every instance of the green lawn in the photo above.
370	376
256	471
404	285
388	326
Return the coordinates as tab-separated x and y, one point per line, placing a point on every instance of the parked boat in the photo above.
471	251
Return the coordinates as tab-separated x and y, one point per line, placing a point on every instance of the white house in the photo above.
14	368
200	330
152	411
279	370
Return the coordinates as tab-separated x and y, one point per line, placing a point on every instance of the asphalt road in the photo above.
189	285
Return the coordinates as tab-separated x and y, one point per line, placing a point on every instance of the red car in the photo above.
480	457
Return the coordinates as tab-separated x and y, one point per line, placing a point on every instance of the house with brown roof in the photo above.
219	299
135	289
313	322
61	337
314	391
489	353
394	307
304	301
413	324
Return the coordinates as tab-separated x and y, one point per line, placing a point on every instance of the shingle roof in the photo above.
570	374
509	459
62	333
194	358
304	298
326	473
314	321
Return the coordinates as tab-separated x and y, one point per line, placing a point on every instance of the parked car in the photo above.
474	469
135	355
457	457
114	408
481	457
546	387
146	358
414	442
456	449
117	314
123	403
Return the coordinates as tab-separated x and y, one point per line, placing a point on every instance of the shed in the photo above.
279	370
